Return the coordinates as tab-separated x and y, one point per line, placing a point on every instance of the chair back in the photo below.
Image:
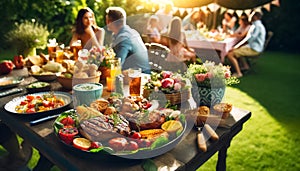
157	54
267	41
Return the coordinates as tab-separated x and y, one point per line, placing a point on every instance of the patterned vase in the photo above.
208	96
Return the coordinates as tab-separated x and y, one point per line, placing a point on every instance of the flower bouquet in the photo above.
209	80
172	85
101	57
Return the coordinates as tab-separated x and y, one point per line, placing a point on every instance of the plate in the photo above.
38	87
11	105
8	82
106	153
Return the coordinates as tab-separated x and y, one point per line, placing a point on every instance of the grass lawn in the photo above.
270	139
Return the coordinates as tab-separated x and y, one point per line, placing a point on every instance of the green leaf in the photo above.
159	142
149	165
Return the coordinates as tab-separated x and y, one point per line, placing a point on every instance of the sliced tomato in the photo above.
46	103
68	121
30	110
31	105
30	97
23	103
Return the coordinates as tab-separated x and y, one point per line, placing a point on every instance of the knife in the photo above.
201	140
211	132
35	122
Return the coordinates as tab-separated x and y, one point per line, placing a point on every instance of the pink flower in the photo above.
227	75
168	82
166	74
177	86
209	75
200	77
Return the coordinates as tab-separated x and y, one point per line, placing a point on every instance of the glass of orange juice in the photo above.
115	67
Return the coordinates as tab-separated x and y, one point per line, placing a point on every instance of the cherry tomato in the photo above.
95	145
147	105
135	135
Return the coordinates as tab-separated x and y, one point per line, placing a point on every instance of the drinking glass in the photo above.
75	47
135	79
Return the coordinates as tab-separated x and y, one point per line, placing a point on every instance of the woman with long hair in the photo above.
179	51
86	30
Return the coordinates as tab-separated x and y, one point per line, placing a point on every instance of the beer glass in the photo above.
135	81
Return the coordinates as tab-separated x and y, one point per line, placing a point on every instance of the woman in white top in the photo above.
242	30
228	22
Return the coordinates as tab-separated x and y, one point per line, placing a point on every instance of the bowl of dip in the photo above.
86	93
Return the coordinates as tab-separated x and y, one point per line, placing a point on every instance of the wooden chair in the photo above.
157	54
253	59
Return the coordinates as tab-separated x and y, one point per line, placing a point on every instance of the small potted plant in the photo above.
209	81
28	36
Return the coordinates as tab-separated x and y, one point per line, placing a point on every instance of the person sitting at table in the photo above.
251	45
193	20
126	42
243	28
86	30
153	30
18	156
179	51
165	15
228	22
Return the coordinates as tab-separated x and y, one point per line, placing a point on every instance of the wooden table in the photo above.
185	156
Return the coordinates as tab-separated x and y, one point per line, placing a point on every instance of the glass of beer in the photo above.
135	81
59	56
75	47
51	46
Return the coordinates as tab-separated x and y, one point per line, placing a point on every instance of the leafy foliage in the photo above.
28	35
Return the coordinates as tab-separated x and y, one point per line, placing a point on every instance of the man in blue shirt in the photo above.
254	40
127	42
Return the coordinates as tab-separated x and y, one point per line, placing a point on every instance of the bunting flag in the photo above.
267	7
258	9
222	10
276	3
248	11
239	12
189	10
230	11
181	11
213	7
